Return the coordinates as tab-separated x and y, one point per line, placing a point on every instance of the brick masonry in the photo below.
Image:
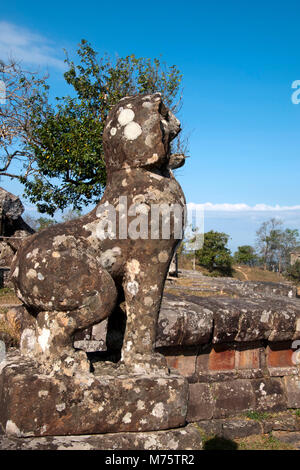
229	379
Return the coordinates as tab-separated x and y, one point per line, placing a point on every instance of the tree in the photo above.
67	139
40	223
275	244
268	240
245	254
215	255
293	271
24	93
289	241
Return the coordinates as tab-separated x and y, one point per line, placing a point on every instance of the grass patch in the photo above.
6	290
297	412
256	442
197	293
8	296
257	415
262	442
10	332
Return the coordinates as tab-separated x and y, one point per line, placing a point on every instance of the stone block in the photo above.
183	323
292	388
211	427
232	398
281	422
226	320
269	394
238	428
201	403
187	438
282	371
34	404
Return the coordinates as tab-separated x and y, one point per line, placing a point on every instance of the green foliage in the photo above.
275	244
257	415
6	290
40	223
245	254
214	255
293	272
67	139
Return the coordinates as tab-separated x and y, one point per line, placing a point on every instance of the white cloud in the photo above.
28	47
240	221
227	207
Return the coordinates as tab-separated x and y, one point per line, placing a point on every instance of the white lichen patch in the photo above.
28	341
61	407
148	301
128	385
138	199
12	429
150	443
132	287
127	418
261	388
31	274
109	257
40	277
140	405
43	393
43	339
125	116
35	290
113	131
163	257
133	268
265	316
149	141
158	410
32	254
147	104
172	444
55	254
132	131
16	272
62	240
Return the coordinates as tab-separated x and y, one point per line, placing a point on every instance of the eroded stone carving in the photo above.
70	278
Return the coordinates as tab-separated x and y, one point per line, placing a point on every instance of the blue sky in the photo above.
238	60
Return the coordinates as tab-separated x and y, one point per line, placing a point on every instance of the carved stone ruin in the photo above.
104	361
12	231
69	278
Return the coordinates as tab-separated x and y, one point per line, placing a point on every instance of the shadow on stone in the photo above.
219	443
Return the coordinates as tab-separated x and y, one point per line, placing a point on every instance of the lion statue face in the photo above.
138	133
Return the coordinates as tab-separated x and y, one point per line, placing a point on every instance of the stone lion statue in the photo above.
72	275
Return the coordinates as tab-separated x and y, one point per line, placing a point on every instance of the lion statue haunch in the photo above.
70	277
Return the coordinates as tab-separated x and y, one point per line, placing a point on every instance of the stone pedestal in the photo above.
187	438
34	404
